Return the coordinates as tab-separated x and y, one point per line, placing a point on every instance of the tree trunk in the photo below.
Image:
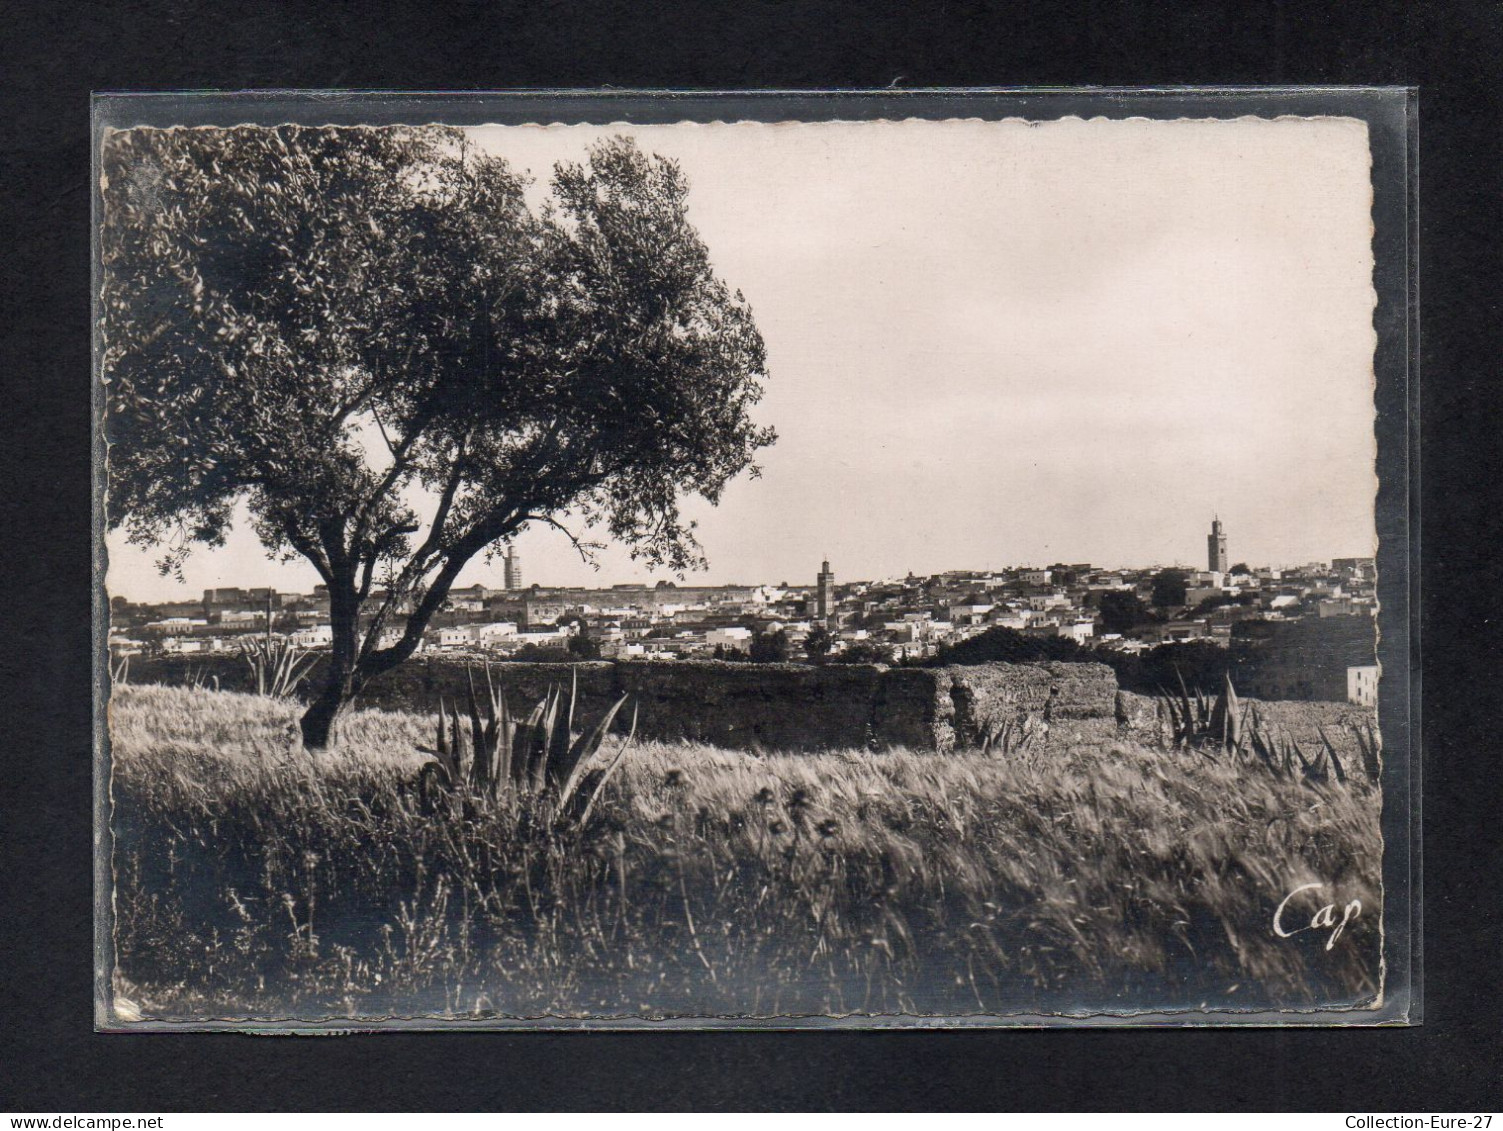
318	720
342	682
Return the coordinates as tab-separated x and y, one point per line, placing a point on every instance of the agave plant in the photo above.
120	671
1282	754
1202	723
202	679
537	760
1260	738
277	666
1226	717
1371	747
1331	756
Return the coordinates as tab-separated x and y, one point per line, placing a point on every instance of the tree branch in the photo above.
367	393
385	438
445	505
331	534
496	525
399	465
378	550
583	549
309	550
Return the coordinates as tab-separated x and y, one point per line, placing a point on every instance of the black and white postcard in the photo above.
724	566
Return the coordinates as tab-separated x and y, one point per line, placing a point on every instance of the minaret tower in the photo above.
512	568
825	592
1216	547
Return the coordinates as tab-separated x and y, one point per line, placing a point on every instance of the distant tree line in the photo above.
1199	663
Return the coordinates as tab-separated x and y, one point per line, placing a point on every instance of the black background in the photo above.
51	1060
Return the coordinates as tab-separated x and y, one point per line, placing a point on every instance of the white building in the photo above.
1196	594
1011	618
1081	631
125	646
969	614
177	624
494	633
732	637
1041	601
547	637
314	636
1362	684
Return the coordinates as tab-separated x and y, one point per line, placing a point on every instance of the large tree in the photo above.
374	340
1170	587
1122	611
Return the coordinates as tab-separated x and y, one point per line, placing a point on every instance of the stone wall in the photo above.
755	706
803	707
1078	701
750	706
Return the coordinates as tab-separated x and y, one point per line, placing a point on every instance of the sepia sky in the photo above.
1008	343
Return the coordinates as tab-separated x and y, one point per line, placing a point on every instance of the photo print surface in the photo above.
913	571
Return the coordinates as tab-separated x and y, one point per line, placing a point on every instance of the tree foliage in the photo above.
1122	611
371	338
583	647
770	647
863	652
1200	664
1222	600
1169	587
817	644
1000	644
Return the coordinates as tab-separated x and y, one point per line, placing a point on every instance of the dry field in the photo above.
252	881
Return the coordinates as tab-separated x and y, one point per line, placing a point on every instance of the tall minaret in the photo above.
512	568
1216	547
825	592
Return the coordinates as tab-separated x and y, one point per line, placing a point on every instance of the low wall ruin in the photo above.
797	706
806	707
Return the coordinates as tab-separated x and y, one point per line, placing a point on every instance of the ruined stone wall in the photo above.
985	696
802	707
753	706
735	705
1143	719
418	684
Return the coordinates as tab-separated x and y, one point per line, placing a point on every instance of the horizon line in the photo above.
783	584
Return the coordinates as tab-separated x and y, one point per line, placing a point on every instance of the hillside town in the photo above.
1319	613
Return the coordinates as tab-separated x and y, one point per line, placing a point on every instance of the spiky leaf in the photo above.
572	766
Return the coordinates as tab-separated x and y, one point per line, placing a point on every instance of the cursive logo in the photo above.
1324	918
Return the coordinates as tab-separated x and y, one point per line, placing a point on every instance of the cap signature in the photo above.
1325	917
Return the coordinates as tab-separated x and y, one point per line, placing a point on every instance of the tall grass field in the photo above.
252	880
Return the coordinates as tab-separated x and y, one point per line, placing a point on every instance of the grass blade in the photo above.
499	735
481	756
1331	751
584	749
560	735
610	769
